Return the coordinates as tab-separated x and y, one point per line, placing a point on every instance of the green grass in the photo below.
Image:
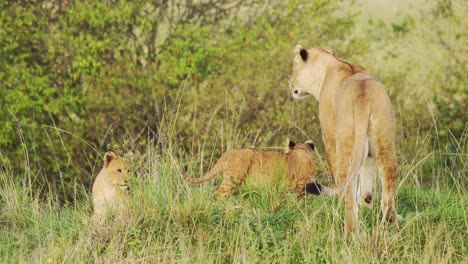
171	221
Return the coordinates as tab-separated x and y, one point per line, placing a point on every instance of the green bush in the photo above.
79	78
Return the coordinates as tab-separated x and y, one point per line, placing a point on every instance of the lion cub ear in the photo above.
108	157
291	144
311	144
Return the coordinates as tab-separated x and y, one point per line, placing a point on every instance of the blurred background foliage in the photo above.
80	77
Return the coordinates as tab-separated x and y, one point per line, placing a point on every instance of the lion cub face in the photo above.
117	170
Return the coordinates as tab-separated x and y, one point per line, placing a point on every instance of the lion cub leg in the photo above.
225	189
367	178
230	181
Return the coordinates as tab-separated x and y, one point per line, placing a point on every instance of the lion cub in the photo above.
110	189
238	164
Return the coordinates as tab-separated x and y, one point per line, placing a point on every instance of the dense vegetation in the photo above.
80	78
179	82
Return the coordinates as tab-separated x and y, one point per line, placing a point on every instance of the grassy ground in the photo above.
171	221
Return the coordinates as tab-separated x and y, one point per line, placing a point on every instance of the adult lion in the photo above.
358	127
297	163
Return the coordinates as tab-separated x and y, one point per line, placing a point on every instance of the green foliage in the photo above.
191	55
451	96
80	78
401	29
254	99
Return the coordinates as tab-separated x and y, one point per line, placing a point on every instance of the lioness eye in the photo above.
119	170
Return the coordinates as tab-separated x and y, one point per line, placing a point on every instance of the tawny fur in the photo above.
236	165
110	189
358	127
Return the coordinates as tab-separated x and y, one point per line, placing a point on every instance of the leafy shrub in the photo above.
78	78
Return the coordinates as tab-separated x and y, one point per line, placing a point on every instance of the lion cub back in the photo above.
267	165
110	189
297	165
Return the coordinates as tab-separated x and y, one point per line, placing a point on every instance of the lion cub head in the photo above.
301	164
110	189
117	169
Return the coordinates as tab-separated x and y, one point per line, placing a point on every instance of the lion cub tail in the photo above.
208	176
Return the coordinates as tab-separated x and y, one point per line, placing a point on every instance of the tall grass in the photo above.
171	221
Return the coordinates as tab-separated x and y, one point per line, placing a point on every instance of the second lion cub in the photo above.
297	163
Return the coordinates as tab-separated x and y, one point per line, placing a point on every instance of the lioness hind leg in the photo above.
330	151
351	209
367	178
386	159
349	195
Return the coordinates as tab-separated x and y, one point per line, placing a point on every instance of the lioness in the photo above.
110	189
358	126
237	164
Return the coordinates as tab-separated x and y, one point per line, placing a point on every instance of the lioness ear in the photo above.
291	144
304	54
297	49
108	157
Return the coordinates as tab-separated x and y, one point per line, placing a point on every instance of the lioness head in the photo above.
117	169
309	70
